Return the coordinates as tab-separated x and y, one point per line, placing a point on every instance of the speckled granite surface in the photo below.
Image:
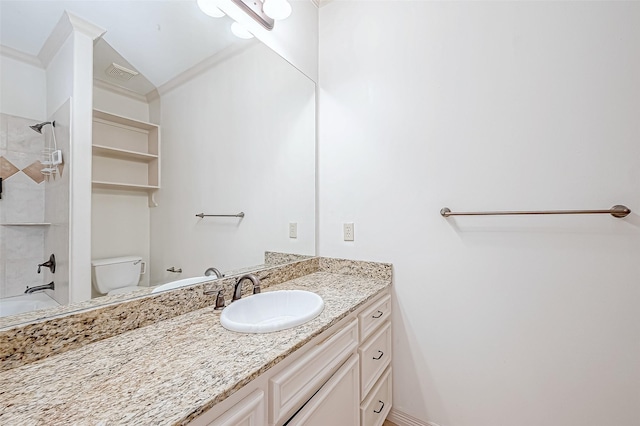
33	341
272	259
383	271
171	371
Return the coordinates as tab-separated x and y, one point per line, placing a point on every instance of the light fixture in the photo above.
240	31
277	9
209	7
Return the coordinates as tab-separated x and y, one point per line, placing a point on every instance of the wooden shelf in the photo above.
126	154
119	119
123	154
119	186
26	224
124	186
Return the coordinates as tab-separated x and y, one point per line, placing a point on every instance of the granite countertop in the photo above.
171	371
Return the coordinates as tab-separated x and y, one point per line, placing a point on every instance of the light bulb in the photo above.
277	9
209	7
240	31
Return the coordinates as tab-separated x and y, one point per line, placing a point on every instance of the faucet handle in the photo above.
220	302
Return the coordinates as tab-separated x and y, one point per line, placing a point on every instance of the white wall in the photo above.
115	103
482	106
238	137
120	226
23	90
295	38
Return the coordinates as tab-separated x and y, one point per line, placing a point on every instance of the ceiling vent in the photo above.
120	73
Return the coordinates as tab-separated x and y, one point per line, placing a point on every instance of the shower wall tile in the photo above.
34	171
23	242
20	159
56	241
56	200
21	248
4	118
2	276
19	274
23	199
3	252
7	168
21	138
57	211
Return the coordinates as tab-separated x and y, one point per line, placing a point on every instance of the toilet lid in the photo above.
127	289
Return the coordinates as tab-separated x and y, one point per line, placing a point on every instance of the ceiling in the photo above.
159	39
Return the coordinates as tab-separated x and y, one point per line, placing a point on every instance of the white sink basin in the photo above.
271	311
181	283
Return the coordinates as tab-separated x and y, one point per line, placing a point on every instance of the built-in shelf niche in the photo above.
126	154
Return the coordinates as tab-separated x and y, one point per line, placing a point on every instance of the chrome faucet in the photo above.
51	264
173	269
237	294
213	271
49	286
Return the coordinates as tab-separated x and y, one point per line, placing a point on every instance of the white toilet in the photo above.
117	275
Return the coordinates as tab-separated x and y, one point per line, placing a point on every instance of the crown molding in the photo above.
67	24
152	95
205	65
101	84
12	53
85	27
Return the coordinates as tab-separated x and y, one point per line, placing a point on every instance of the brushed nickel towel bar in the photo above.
201	215
619	211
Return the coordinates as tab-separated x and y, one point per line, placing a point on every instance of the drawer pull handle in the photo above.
379	356
380	313
380	410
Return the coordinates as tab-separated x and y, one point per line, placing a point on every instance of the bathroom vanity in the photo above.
334	369
341	377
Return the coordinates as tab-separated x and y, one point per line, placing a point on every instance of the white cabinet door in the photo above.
336	403
290	388
248	412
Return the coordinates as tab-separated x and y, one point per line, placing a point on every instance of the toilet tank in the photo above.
116	272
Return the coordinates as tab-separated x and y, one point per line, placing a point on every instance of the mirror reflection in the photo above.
186	120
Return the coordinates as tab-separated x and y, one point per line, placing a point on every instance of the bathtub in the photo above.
25	303
182	283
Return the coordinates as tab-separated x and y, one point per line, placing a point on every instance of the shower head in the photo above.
38	127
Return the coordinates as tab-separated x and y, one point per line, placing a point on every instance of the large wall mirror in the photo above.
236	134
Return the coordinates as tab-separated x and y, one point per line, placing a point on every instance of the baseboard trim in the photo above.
403	419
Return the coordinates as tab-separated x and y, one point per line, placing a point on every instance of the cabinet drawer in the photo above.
375	315
248	412
375	356
336	403
376	407
304	377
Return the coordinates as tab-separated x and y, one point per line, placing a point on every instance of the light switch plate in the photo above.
293	230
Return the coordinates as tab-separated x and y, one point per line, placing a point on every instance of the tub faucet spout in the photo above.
213	271
50	286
